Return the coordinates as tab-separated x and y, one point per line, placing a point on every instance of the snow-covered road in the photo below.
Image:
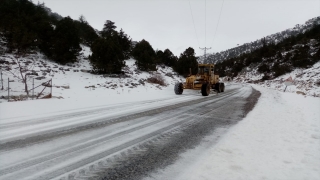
186	137
278	140
94	141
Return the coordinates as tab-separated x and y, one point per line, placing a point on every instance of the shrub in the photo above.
263	68
157	79
265	77
279	70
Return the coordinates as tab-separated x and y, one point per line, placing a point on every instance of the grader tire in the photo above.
178	88
205	89
217	87
222	87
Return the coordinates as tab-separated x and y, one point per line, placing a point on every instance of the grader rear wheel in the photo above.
217	87
178	88
222	87
205	89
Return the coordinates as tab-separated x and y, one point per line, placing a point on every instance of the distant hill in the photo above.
274	55
251	46
271	60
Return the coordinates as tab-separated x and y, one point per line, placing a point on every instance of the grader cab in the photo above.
204	80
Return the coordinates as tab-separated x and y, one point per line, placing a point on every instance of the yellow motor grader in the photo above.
204	81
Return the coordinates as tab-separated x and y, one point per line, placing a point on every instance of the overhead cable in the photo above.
193	23
217	23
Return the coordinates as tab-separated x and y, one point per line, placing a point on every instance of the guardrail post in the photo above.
8	89
1	81
51	89
32	88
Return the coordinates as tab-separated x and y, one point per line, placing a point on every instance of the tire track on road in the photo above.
62	117
144	142
99	123
82	147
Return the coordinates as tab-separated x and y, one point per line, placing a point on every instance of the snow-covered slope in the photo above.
251	46
305	81
74	80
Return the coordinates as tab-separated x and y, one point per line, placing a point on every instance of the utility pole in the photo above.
205	53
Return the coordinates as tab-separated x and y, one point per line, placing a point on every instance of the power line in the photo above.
217	23
193	23
205	22
205	32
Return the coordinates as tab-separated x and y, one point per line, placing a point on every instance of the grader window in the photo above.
206	69
201	70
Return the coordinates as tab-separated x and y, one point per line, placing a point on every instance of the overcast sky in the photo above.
179	24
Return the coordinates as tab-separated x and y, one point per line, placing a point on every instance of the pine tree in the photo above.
145	56
125	43
66	42
108	29
110	51
169	59
187	61
107	56
159	57
86	33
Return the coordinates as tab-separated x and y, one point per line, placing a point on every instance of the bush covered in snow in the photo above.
157	79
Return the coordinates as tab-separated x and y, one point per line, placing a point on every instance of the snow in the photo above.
73	82
305	81
279	139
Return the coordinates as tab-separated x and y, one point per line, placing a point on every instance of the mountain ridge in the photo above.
249	47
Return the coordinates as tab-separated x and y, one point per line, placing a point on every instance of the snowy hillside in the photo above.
305	81
74	80
249	47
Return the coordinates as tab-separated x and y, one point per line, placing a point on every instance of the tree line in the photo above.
28	27
273	60
251	46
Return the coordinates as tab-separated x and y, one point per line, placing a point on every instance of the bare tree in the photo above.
22	71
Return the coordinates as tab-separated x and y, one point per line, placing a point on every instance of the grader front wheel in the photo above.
178	88
205	89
